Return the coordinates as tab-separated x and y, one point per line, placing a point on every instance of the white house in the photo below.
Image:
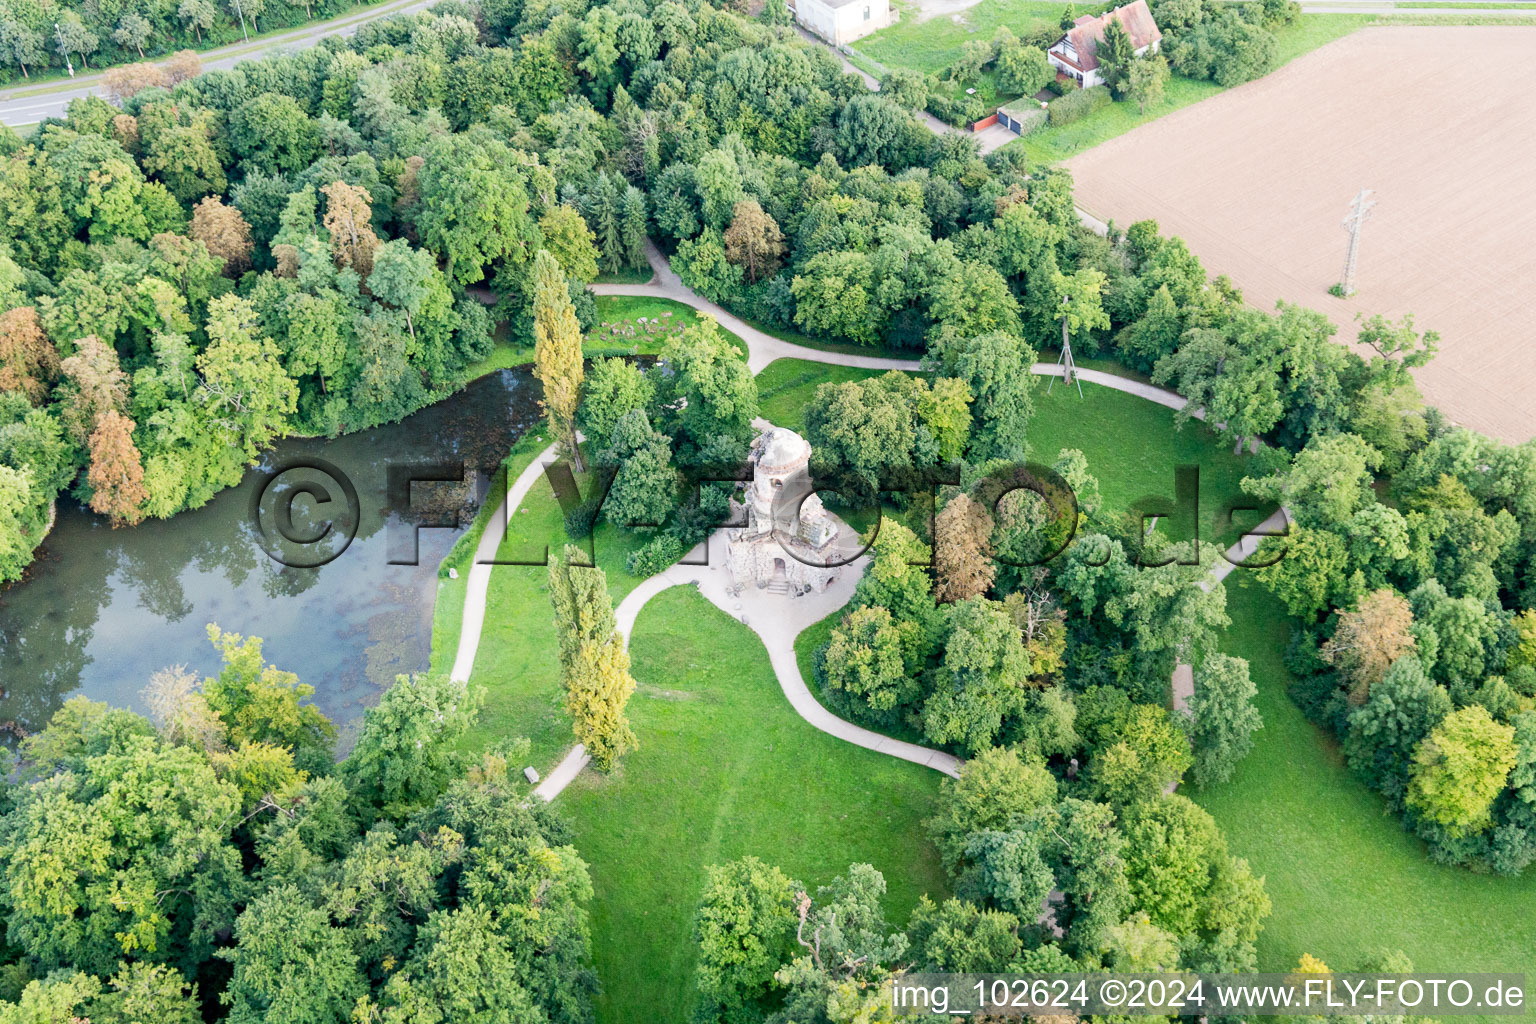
842	21
1075	53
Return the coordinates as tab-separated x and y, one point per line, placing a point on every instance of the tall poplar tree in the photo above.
557	351
594	665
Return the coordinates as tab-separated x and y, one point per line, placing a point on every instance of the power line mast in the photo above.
1067	365
1065	361
1359	212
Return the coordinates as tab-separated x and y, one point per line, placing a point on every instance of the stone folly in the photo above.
788	542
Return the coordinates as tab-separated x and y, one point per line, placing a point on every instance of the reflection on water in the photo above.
103	609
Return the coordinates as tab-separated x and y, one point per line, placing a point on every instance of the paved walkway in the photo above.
762	348
776	620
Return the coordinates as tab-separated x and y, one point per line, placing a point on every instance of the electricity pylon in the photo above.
1359	212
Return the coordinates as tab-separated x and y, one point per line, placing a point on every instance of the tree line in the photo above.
213	861
39	38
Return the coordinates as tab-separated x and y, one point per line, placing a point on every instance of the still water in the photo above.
102	609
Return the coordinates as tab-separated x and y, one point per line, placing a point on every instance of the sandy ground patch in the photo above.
1438	121
927	10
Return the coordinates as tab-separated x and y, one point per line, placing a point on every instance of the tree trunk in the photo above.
82	61
24	70
136	46
410	326
576	453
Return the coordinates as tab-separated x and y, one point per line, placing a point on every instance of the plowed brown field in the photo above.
1441	122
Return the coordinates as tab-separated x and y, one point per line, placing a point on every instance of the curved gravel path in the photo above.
777	622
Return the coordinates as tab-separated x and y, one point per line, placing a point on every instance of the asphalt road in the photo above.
24	103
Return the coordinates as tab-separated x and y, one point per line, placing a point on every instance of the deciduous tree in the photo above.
28	361
594	665
1223	718
1024	69
407	751
614	388
644	492
568	239
866	664
1460	768
745	929
754	241
1399	712
1146	80
290	964
257	702
116	476
962	550
95	383
132	30
1369	639
21	45
348	218
225	232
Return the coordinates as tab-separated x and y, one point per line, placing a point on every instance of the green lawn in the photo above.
726	768
627	275
517	662
1307	33
1132	445
933	45
1479	5
617	332
1344	876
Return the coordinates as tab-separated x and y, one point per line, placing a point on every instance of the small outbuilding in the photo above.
1021	116
1076	53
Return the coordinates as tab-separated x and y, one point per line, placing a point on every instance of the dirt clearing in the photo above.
1439	122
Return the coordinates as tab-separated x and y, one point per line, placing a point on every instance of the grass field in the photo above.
1344	876
931	46
1132	445
726	768
621	311
627	275
516	661
1479	5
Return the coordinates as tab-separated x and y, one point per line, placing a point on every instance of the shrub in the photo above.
580	520
1077	105
654	556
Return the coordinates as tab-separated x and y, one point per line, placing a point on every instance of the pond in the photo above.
103	609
